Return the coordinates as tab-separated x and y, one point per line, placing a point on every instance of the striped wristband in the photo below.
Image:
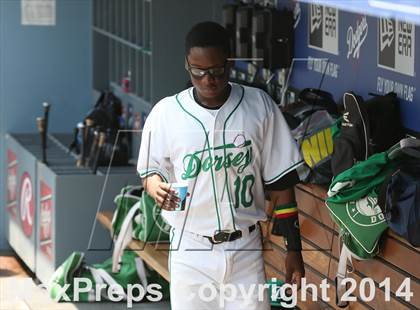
286	224
285	211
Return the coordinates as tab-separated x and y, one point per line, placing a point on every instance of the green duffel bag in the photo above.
132	271
140	212
136	218
124	201
353	204
153	227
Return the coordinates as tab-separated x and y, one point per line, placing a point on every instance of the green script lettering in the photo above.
202	160
193	166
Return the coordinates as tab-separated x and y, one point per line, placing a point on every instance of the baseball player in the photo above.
229	143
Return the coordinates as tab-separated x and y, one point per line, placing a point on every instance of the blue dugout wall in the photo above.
359	52
43	63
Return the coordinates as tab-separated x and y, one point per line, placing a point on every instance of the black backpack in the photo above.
310	101
107	111
103	119
367	128
400	197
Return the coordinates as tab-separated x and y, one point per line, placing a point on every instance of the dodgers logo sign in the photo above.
297	12
356	37
27	204
323	28
396	45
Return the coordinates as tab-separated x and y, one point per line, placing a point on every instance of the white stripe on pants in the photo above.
198	269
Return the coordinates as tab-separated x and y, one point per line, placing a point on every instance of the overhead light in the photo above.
403	8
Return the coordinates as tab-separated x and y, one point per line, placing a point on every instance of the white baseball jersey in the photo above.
225	158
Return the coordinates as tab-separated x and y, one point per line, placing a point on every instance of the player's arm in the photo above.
286	223
284	210
160	191
285	218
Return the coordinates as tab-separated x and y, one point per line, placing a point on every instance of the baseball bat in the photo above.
93	148
87	143
98	152
73	144
46	106
40	121
81	128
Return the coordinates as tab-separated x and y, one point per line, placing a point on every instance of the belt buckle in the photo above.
220	236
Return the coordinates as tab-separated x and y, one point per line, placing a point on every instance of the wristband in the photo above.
285	211
286	224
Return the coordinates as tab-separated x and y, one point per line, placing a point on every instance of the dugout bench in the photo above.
320	238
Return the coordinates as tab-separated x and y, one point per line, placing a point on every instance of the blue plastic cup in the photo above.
181	190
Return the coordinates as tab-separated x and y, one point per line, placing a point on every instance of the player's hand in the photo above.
161	192
166	197
295	269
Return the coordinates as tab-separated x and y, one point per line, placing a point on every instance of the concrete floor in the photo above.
18	291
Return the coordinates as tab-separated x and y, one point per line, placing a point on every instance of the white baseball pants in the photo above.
227	276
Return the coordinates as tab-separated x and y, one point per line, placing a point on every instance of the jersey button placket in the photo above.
223	199
216	142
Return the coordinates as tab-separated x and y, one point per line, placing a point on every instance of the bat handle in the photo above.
46	107
87	141
73	144
93	149
101	144
81	128
40	121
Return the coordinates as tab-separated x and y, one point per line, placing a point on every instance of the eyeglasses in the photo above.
217	72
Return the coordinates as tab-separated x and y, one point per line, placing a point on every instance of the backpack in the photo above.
319	97
105	117
353	202
400	199
313	124
315	139
362	131
131	270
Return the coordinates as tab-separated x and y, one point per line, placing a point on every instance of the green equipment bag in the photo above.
125	200
353	204
152	227
73	267
136	217
131	271
135	206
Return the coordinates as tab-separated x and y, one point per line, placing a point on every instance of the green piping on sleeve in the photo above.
272	180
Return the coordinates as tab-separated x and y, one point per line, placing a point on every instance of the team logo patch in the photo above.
365	211
396	45
239	140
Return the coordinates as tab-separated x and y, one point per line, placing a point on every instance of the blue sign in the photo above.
339	51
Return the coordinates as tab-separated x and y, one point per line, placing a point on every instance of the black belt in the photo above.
223	236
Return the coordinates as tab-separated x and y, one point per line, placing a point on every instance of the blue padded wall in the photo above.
43	63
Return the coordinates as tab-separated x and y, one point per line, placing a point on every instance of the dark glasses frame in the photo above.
201	73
